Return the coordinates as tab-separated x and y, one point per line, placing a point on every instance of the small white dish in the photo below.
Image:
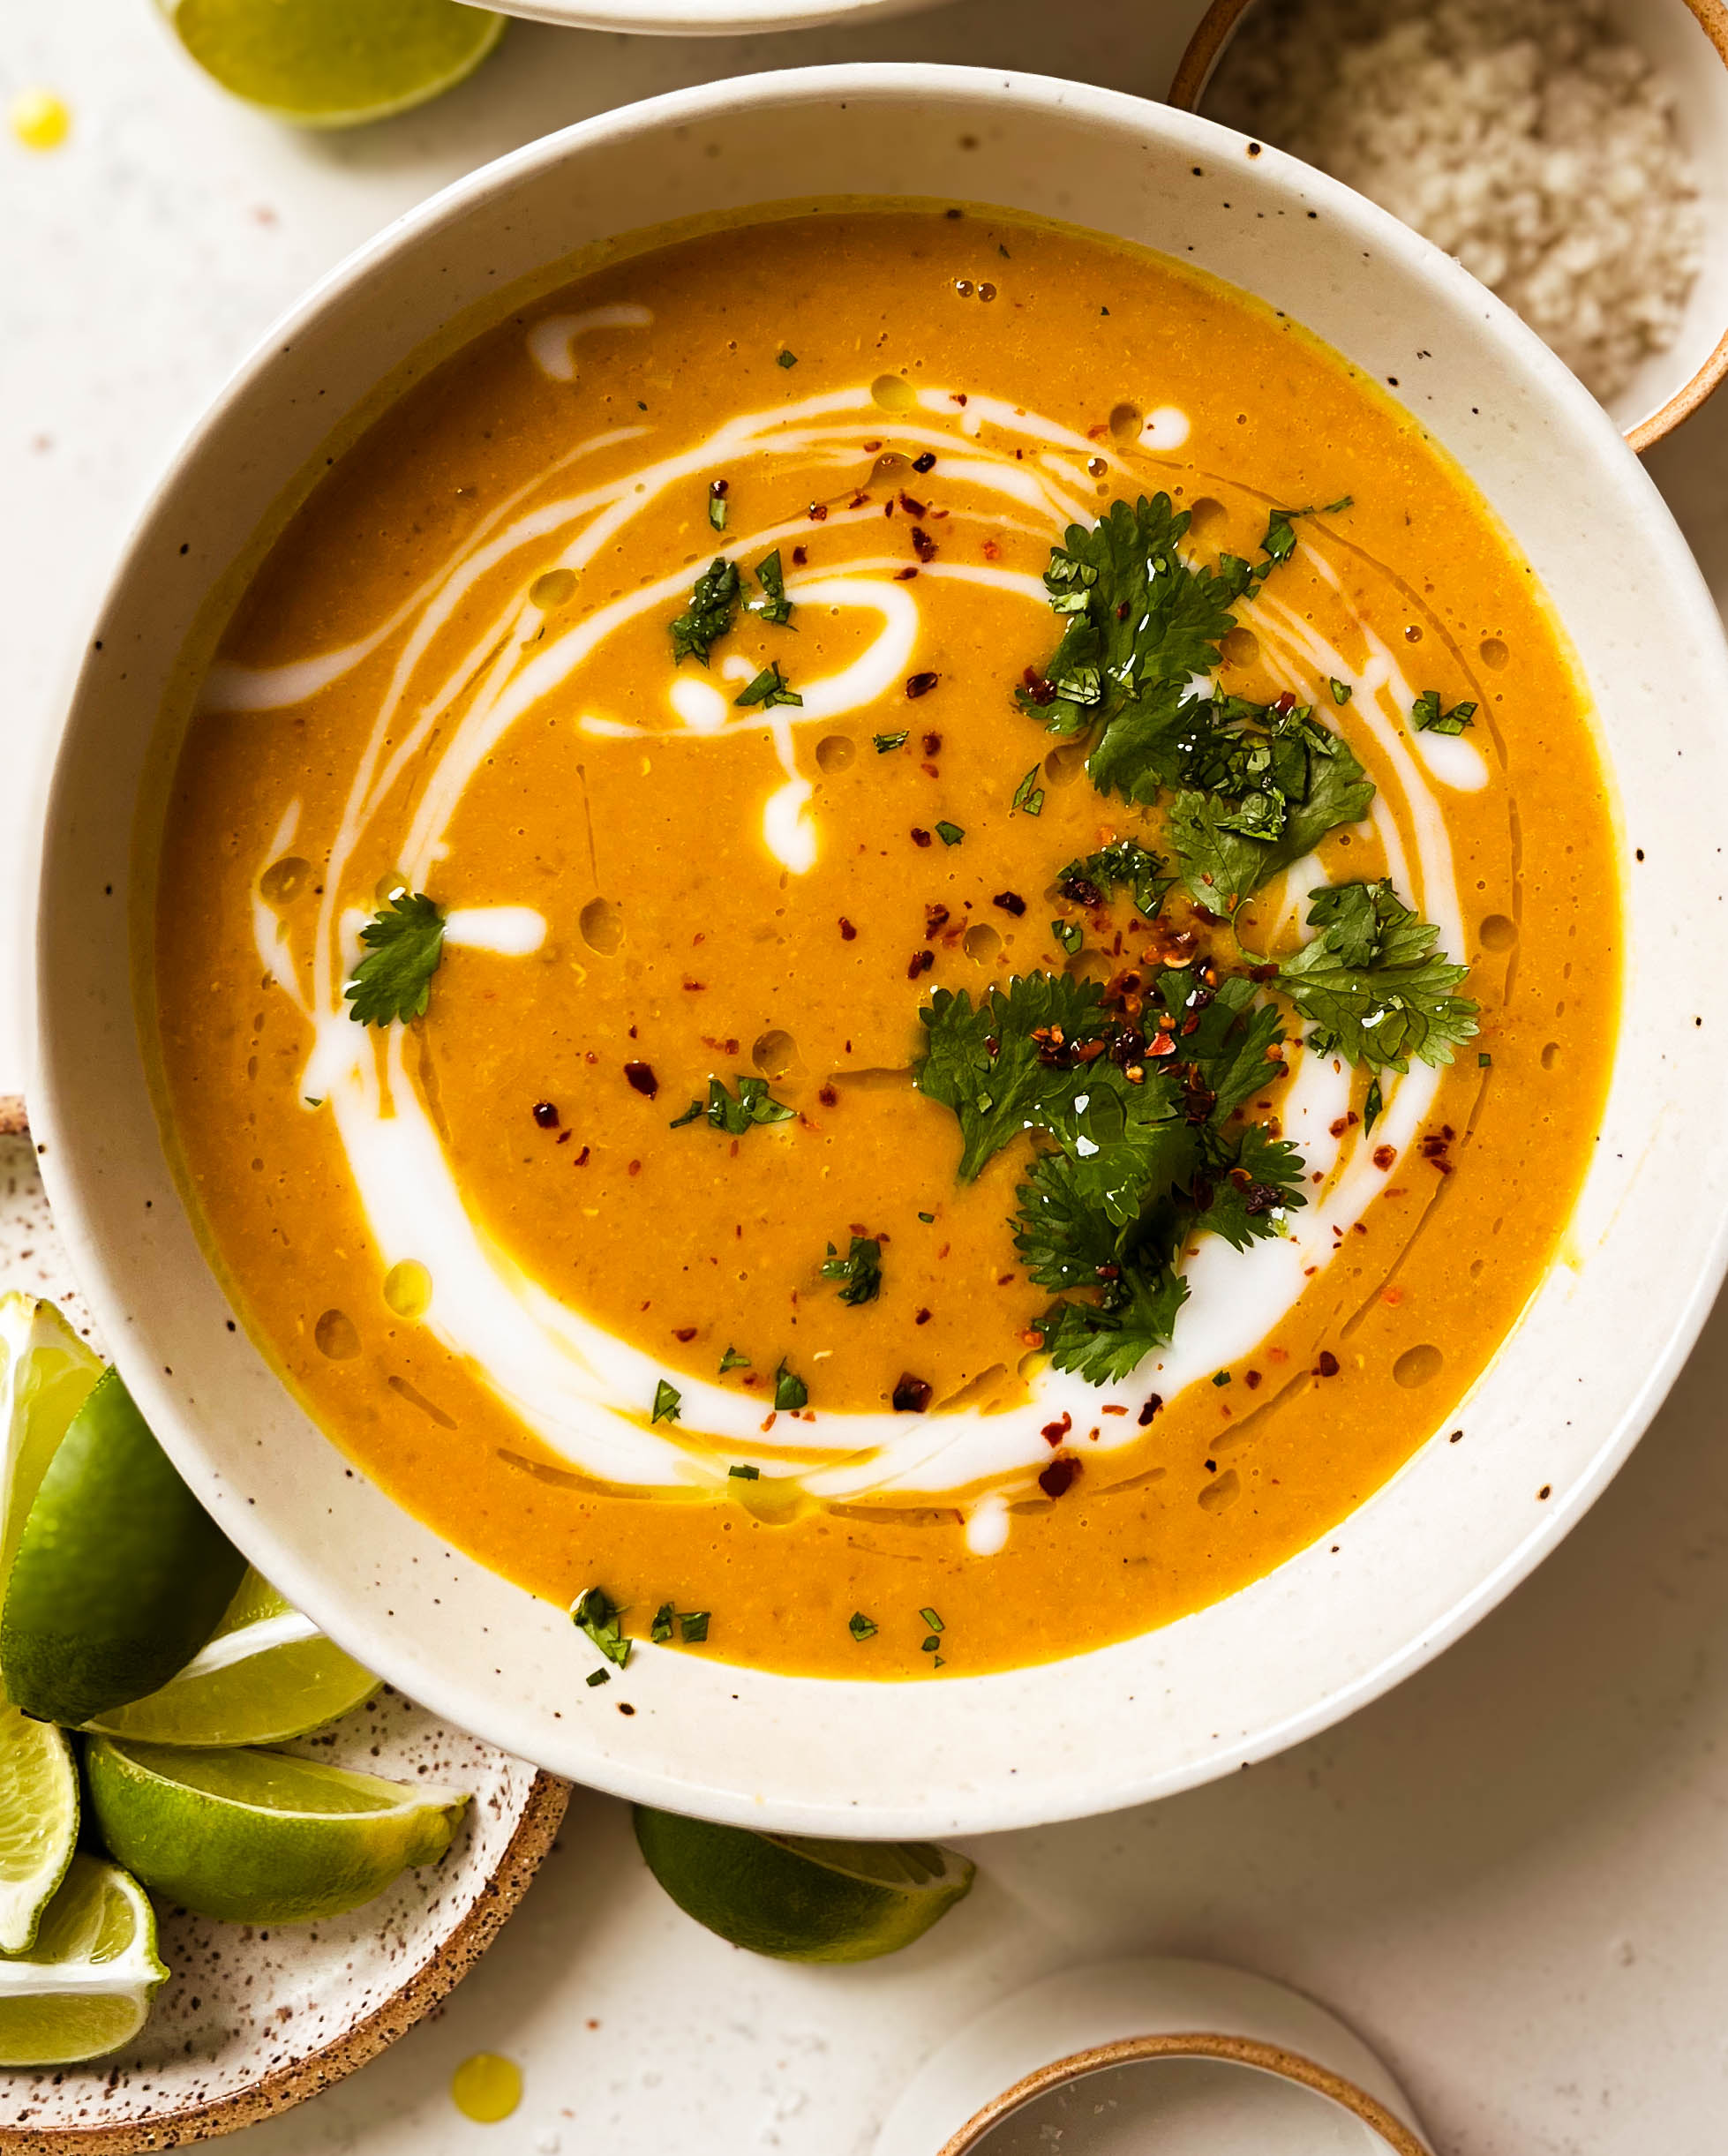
1186	2056
705	18
1429	1553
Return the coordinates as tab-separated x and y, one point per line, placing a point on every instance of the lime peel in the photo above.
85	1990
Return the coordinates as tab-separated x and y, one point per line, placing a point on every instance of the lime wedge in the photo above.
266	1674
38	1822
86	1988
802	1900
120	1575
334	63
261	1838
45	1371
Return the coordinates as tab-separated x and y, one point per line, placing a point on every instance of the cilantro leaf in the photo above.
773	605
712	611
986	1065
1229	845
861	1269
405	941
768	689
1225	1055
1373	984
755	1104
1125	1140
1106	1342
1124	861
790	1390
668	1403
596	1613
1427	717
1252	1183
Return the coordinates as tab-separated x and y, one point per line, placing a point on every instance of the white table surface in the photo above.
1510	1874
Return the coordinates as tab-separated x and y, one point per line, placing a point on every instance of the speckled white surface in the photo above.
1506	1873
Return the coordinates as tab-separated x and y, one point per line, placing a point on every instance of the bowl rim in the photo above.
1105	1784
1193	78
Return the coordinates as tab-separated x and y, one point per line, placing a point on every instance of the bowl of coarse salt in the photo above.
1573	155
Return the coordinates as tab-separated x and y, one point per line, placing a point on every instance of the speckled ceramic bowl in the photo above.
251	2022
1568	1394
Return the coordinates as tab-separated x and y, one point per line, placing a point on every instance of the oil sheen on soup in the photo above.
888	937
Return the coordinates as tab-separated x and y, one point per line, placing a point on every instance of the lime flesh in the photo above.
266	1674
261	1838
802	1900
86	1988
38	1822
120	1575
334	63
46	1373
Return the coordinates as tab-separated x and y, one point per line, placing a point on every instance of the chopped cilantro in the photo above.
597	1614
861	1269
1106	1342
1373	984
1248	1185
886	742
862	1627
660	1630
693	1625
927	1218
405	941
1221	1376
598	1677
786	359
768	689
932	1643
1427	717
732	1360
716	505
789	1391
932	1620
1342	691
1373	1107
950	834
745	1473
1483	1059
1029	795
712	611
755	1104
1069	934
773	605
1124	861
668	1403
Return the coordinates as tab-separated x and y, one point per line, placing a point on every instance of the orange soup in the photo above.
886	943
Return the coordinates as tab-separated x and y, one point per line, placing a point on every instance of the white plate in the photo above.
1451	1534
705	18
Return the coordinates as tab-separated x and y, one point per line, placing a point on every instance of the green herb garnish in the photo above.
786	359
773	605
1029	795
1372	982
1427	717
745	1473
693	1625
712	611
886	742
598	1677
768	689
732	1360
716	505
668	1403
596	1613
1069	934
790	1392
405	941
932	1620
755	1105
861	1269
1342	691
1123	862
1372	1107
860	1626
660	1630
950	834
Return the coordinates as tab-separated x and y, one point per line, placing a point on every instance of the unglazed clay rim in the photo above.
275	2092
1237	2050
1204	49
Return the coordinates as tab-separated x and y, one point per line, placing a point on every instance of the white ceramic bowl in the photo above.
1450	1535
705	18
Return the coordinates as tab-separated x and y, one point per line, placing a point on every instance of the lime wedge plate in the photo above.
261	1838
86	1988
120	1575
38	1822
266	1674
45	1371
334	63
802	1900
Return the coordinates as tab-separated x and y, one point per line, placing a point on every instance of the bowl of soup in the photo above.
879	950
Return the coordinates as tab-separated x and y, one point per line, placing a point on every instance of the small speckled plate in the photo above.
253	2021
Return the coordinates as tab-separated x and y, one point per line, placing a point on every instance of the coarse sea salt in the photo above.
1525	137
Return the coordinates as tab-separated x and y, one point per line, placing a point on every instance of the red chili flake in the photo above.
1011	902
1327	1364
818	512
888	507
921	962
1161	1044
800	556
858	501
933	745
1111	1407
921	685
1059	1478
582	1158
922	1317
926	462
694	988
1041	691
919	838
1251	1379
564	1136
935	920
930	770
1383	1157
911	1395
642	1077
1152	1405
911	507
847	932
992	552
1284	704
634	1169
684	1331
1338	1125
1054	1432
719	489
546	1114
957	396
922	545
903	576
